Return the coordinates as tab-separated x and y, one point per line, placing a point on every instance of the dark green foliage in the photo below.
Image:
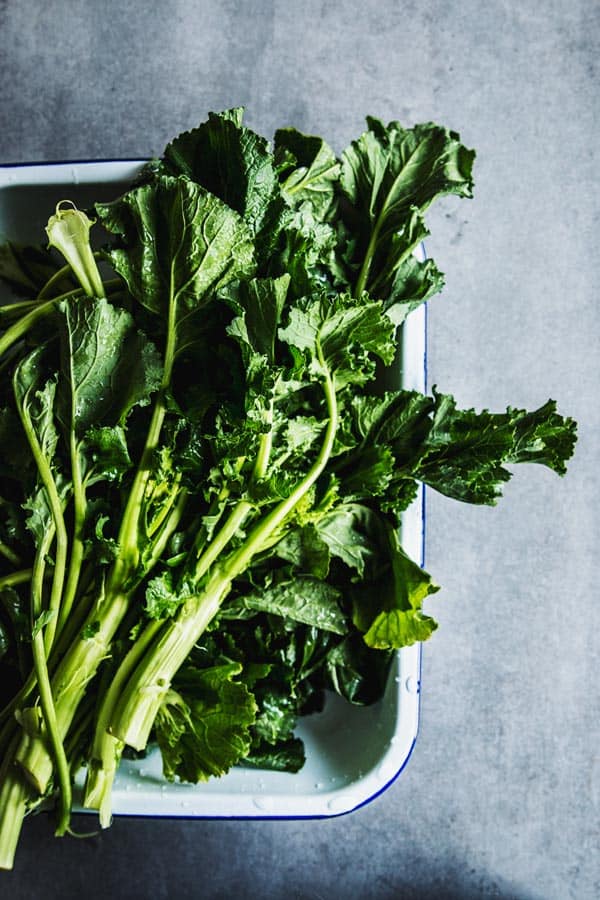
202	485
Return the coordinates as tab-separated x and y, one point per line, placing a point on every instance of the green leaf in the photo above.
89	631
403	281
102	548
163	596
37	395
461	453
277	714
464	452
107	448
400	420
233	163
343	333
388	434
182	244
543	437
306	550
348	532
389	177
357	672
399	620
316	172
108	366
302	599
367	474
202	727
259	303
42	620
307	251
284	756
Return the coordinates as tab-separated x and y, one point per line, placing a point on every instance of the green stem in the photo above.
9	554
14	794
20	577
129	531
70	681
56	508
79	663
237	516
168	527
233	522
389	271
45	690
134	716
16	310
20	328
68	231
77	546
54	279
361	283
106	749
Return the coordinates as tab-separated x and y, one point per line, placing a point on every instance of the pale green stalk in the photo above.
14	795
20	328
56	508
39	651
106	749
14	578
135	714
81	661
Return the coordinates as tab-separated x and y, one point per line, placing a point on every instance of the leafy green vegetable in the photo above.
202	729
203	482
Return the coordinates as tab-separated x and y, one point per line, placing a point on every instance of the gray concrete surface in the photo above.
501	796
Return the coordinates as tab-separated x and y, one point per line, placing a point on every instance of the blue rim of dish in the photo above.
30	164
395	776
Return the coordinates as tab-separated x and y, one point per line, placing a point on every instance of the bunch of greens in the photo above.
202	480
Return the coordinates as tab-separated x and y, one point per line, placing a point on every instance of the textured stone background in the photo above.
501	796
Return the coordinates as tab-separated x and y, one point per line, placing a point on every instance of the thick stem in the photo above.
45	692
135	714
14	795
106	749
82	659
59	757
70	682
80	663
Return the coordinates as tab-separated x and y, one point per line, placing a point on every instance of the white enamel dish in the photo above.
353	753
